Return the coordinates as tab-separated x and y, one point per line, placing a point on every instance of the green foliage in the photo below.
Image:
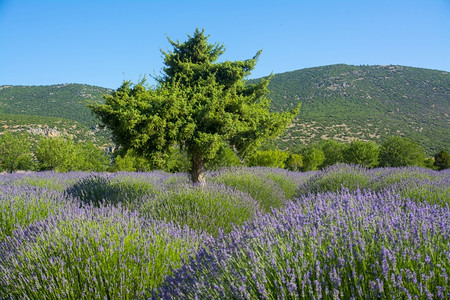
198	104
176	161
15	152
345	102
313	157
55	154
399	152
130	162
442	160
362	153
429	163
225	157
90	158
64	101
269	158
294	162
62	155
333	151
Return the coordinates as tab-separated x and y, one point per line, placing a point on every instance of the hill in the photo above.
346	102
53	110
342	102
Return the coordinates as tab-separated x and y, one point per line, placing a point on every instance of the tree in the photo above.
55	154
198	104
62	155
398	152
362	153
442	160
313	157
89	157
333	151
15	152
269	158
294	162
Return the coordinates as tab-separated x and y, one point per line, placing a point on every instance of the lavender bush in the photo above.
91	253
100	189
48	180
267	192
210	209
334	178
22	205
414	183
346	245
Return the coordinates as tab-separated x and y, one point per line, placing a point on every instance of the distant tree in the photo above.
333	151
225	157
294	162
15	152
130	161
429	163
442	160
313	157
62	155
55	154
268	158
397	151
198	105
123	163
89	157
362	153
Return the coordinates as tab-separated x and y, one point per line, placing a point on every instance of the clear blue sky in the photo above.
102	43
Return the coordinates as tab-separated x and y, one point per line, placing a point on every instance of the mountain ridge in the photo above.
343	102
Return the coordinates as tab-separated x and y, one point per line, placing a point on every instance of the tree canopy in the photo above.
397	151
198	104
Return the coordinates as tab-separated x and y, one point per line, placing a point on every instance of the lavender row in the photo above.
346	245
92	253
22	205
412	182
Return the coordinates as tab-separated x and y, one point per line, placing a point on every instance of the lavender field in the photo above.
251	233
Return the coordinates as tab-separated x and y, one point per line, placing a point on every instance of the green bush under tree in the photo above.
397	151
442	160
362	153
15	152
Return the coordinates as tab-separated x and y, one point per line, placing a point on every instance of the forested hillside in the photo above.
55	110
365	102
341	102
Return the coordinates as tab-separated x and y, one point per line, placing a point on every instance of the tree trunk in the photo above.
197	171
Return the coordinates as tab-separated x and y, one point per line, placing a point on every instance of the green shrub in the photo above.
442	160
313	157
99	189
263	189
268	158
400	152
362	153
210	209
334	178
